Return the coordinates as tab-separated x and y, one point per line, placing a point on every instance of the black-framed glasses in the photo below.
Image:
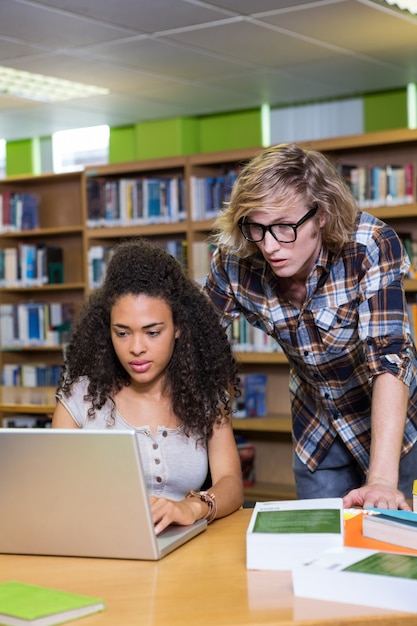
283	233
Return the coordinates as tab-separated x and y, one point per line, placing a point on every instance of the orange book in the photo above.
355	539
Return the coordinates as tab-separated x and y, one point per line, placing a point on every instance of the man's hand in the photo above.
380	495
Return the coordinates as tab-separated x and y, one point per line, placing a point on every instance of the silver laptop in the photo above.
79	493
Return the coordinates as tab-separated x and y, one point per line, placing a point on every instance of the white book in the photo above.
29	375
391	526
284	534
201	260
11	375
10	266
357	576
7	334
23	324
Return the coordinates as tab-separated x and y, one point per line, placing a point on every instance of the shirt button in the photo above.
155	446
157	461
165	434
305	352
327	395
158	479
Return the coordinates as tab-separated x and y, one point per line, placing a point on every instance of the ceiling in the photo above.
169	58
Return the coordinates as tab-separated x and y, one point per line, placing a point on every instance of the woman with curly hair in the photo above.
148	353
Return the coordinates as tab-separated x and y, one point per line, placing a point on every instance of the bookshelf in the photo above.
58	296
65	220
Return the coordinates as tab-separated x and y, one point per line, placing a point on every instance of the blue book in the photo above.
34	323
30	212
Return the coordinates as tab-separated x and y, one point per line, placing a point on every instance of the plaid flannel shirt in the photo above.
353	326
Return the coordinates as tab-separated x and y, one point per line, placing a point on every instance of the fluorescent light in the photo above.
404	5
42	88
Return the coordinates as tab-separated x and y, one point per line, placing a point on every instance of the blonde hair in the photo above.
273	179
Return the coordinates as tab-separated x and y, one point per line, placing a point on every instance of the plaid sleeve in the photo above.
384	325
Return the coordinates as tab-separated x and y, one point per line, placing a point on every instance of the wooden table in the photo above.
203	583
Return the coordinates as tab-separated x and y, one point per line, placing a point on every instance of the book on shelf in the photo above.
99	257
379	185
244	337
29	212
247	461
30	265
410	246
53	265
202	253
252	401
283	534
358	576
27	421
134	201
35	323
10	265
397	527
209	193
32	605
30	375
18	211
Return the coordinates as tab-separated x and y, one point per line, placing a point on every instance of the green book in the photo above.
283	534
357	576
23	604
309	521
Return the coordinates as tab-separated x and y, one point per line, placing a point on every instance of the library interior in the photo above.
185	94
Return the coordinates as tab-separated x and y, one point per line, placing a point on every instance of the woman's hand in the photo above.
183	513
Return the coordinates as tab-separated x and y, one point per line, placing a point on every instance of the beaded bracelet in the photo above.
208	498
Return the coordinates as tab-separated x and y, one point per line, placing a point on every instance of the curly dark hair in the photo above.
202	374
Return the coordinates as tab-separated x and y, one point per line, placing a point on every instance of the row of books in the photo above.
246	338
26	421
35	324
18	211
30	265
30	375
209	194
99	257
376	186
130	201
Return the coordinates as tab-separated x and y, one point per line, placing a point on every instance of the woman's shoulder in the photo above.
79	389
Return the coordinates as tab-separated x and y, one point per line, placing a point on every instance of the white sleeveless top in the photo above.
173	463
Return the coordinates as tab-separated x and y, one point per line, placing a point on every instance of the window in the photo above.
77	148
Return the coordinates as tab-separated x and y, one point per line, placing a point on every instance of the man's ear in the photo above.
322	219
